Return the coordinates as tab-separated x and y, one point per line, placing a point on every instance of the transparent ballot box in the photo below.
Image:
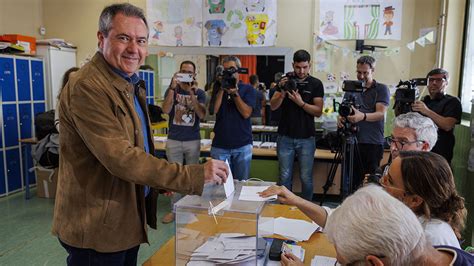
213	230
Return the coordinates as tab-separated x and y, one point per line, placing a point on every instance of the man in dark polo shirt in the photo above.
233	130
445	110
296	129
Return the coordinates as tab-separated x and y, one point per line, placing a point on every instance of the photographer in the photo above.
258	112
445	110
184	103
300	97
370	117
233	106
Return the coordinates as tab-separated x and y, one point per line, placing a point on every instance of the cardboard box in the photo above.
28	42
46	182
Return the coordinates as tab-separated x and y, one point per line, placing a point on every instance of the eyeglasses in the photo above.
400	143
385	180
433	80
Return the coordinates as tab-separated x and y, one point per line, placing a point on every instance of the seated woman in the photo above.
421	180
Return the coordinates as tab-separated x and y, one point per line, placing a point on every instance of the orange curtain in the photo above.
250	62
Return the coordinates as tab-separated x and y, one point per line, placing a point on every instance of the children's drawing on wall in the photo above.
235	18
215	29
327	23
216	6
178	33
321	60
388	17
157	29
330	87
364	19
256	28
175	22
254	5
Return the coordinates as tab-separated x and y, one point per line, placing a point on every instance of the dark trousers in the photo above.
366	161
90	257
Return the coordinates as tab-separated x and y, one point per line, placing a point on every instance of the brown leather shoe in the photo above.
168	218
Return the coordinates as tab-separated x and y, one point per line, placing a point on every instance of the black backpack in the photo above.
44	124
155	113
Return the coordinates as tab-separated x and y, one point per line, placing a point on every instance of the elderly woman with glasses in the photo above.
421	180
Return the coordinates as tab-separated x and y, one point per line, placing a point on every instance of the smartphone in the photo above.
185	77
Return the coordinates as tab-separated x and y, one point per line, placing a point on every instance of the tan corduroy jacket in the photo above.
100	201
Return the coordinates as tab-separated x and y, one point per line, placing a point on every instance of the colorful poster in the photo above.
175	22
360	19
236	23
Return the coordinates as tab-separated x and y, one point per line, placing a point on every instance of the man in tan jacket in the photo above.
107	174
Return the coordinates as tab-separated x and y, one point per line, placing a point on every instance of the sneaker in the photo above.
168	218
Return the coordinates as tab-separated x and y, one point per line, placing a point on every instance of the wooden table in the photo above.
318	244
257	153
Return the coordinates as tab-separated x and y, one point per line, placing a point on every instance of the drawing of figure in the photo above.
178	33
216	6
254	5
330	29
158	28
388	17
215	29
256	28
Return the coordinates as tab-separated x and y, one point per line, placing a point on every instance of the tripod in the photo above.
344	155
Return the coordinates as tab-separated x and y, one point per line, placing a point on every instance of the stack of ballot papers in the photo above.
206	142
228	248
250	193
294	229
324	261
256	144
268	145
160	139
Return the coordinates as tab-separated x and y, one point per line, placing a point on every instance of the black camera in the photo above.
345	108
293	83
228	79
374	178
406	94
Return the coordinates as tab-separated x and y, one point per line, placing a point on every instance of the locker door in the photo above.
26	121
26	153
7	80
3	189
39	108
23	79
13	169
37	78
10	124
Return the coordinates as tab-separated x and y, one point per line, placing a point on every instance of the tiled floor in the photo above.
26	239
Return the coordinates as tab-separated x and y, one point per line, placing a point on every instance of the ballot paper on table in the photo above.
324	261
250	193
229	184
294	229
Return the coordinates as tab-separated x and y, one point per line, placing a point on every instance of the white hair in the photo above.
425	128
232	58
371	222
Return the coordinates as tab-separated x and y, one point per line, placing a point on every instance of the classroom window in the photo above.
467	77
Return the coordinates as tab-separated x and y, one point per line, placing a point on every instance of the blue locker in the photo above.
13	169
140	74
7	80
39	108
37	79
10	124
26	121
149	100
23	79
152	85
3	189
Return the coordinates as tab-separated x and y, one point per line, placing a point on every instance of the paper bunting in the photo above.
421	41
429	37
411	46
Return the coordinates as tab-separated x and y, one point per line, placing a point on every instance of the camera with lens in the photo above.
228	79
406	94
374	178
293	83
345	108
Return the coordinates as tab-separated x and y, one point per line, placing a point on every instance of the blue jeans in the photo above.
304	149
239	159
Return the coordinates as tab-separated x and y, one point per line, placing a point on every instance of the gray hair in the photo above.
371	222
109	12
425	128
232	58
